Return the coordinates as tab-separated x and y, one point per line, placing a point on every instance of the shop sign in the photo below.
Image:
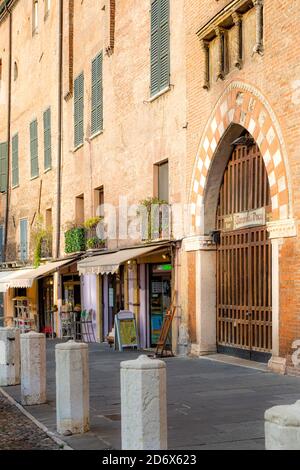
241	220
126	331
161	268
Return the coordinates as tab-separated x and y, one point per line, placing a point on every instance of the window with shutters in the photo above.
34	149
47	140
97	94
78	110
3	167
163	181
15	161
23	239
160	45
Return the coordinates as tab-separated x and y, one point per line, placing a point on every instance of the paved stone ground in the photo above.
17	432
211	405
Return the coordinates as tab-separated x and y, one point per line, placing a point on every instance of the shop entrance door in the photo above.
115	296
244	297
46	298
160	299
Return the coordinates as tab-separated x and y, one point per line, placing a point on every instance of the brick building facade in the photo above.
129	87
248	82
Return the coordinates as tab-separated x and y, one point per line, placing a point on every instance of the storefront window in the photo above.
113	299
46	300
160	299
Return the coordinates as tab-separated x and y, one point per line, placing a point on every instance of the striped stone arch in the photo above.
244	105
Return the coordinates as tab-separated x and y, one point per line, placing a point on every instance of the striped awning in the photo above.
8	276
108	263
25	278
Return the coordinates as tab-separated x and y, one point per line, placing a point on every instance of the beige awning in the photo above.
109	263
7	276
25	277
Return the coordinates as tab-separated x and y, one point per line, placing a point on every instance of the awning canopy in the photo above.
24	278
7	276
109	263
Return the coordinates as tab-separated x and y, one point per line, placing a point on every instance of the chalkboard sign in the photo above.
125	331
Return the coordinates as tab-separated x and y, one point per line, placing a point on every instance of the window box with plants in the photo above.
155	219
42	241
92	240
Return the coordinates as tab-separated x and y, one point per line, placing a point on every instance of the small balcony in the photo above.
46	248
92	241
155	220
84	238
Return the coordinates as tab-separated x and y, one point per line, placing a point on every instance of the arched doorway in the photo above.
244	264
240	108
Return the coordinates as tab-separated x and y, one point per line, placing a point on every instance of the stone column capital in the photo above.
205	44
237	18
219	31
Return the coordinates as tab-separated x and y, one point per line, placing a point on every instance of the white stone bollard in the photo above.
144	404
9	357
33	368
72	388
282	427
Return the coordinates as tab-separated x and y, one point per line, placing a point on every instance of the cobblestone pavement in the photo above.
211	405
17	432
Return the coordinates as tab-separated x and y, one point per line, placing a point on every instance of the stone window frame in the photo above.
230	17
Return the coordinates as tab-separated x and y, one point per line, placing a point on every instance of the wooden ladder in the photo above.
161	345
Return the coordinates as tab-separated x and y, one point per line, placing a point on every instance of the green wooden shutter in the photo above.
97	94
164	44
34	149
15	160
23	239
3	166
78	110
47	140
160	45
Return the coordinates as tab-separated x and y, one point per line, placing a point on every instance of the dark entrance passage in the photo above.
46	300
244	297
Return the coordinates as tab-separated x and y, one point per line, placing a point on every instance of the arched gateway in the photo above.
240	191
240	107
244	272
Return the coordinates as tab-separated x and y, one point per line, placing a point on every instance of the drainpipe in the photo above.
60	125
8	135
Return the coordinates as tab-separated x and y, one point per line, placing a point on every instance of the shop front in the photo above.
138	280
30	298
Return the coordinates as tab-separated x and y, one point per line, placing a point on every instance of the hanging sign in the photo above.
126	331
238	221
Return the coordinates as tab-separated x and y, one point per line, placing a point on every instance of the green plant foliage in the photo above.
75	240
92	222
152	201
94	242
148	204
38	234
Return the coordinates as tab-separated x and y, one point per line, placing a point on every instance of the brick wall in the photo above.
276	76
